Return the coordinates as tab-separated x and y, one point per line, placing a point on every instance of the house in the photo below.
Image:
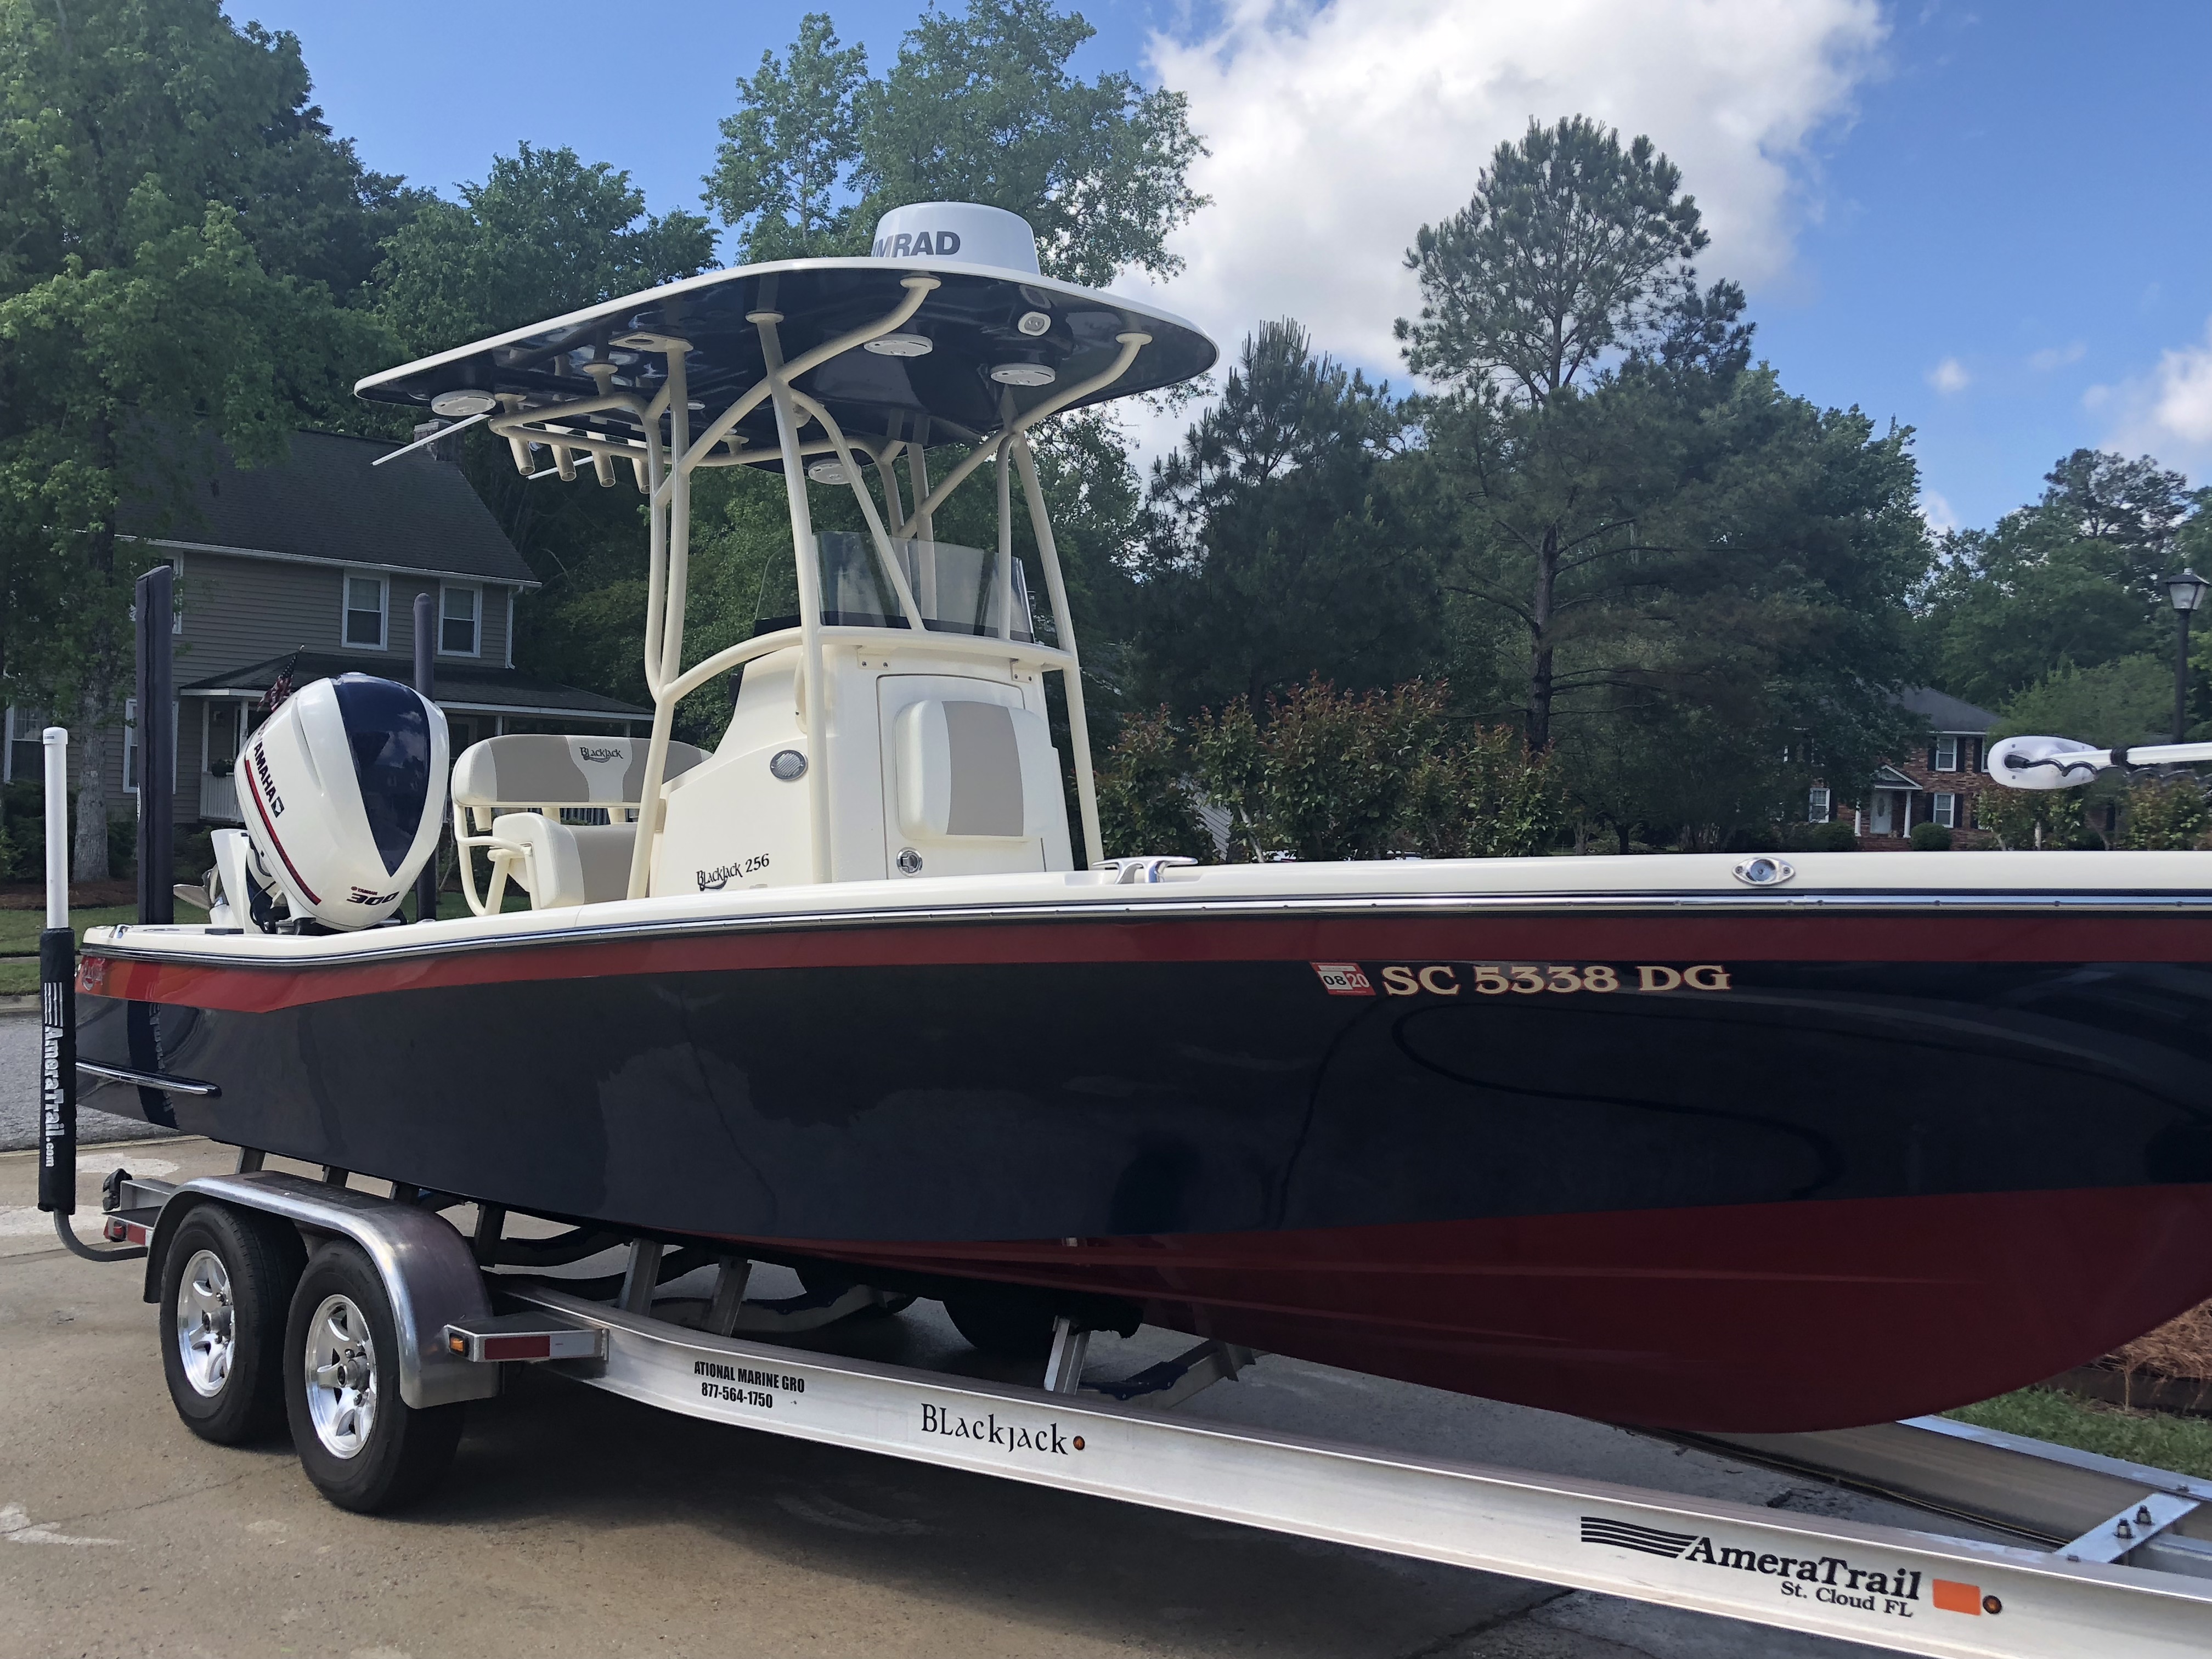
311	567
1937	783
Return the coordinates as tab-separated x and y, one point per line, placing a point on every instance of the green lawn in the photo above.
2164	1440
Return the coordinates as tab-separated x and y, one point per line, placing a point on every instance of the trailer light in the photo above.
457	1343
1023	374
901	345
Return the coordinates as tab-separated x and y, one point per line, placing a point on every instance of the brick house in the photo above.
1939	782
314	563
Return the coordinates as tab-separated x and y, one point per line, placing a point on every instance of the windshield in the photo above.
956	587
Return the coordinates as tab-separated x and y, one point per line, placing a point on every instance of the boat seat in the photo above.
533	805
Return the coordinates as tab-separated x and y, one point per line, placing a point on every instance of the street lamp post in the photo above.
2187	593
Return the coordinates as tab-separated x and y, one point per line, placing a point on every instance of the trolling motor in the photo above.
2061	762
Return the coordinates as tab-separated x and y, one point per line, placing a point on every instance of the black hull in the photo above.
1172	1082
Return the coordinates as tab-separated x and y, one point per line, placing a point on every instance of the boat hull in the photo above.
1766	1172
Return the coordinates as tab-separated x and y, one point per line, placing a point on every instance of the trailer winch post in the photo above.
58	1002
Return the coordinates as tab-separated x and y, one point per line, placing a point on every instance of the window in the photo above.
457	620
27	745
1816	807
1946	811
1946	758
364	612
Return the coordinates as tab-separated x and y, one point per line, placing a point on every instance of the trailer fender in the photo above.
427	1270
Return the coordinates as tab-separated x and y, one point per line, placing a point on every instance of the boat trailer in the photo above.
2111	1557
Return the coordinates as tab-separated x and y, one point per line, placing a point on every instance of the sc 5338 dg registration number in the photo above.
1498	979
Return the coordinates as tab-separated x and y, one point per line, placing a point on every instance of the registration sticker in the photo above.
1344	979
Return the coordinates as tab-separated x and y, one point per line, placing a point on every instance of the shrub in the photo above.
2027	819
2166	812
1332	774
1835	836
1931	837
1144	804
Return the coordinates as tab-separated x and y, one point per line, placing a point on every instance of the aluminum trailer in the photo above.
393	1324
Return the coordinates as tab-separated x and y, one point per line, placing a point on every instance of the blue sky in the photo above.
1992	225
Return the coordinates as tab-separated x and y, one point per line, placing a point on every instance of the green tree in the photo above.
544	233
2129	701
1572	248
979	107
783	173
1274	548
1704	572
173	214
2072	580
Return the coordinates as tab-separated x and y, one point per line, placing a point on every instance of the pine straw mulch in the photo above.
83	894
2169	1369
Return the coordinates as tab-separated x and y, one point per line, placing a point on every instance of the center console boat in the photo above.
1707	1144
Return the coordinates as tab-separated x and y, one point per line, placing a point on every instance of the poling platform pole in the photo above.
58	1003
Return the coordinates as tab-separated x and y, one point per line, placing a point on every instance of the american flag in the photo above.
280	687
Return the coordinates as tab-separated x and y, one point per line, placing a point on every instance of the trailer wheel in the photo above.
365	1448
227	1278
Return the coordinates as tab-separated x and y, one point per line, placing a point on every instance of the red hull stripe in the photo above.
253	789
1953	936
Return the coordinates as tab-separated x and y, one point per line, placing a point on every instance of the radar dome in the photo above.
966	231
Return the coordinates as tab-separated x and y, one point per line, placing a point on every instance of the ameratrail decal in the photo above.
1888	1592
1017	1440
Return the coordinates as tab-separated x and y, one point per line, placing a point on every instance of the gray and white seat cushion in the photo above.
509	795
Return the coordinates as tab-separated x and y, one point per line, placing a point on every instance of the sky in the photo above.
1990	225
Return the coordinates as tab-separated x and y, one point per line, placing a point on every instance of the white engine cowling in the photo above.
345	787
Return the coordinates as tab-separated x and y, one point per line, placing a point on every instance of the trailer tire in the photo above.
364	1448
226	1279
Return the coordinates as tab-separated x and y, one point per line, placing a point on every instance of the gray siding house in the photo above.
310	568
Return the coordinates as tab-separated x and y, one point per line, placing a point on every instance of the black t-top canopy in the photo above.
974	321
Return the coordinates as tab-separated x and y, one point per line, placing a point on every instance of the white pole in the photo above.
1006	545
810	593
1070	679
58	850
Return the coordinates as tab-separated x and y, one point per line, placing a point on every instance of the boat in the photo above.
1742	1145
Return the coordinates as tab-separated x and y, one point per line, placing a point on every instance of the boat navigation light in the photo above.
1023	374
900	345
458	405
827	472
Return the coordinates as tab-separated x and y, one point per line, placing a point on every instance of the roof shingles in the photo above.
329	503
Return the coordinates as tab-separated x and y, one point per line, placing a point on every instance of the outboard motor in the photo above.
344	787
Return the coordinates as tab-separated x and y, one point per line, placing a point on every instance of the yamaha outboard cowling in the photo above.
345	789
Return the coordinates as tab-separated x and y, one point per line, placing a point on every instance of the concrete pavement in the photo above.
576	1523
19	1091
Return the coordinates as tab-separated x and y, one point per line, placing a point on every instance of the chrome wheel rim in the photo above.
341	1377
207	1326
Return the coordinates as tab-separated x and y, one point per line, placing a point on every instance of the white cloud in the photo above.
1338	129
1937	512
2166	413
1950	375
2053	357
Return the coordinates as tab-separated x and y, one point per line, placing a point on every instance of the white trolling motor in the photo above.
2061	763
